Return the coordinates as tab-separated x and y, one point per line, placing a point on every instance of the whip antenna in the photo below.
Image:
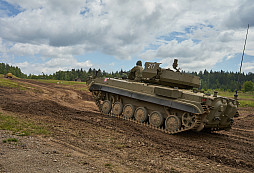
243	51
241	62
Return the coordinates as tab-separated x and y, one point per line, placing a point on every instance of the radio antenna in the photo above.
241	62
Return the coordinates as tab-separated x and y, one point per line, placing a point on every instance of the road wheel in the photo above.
117	108
188	119
156	119
141	114
106	107
172	123
128	111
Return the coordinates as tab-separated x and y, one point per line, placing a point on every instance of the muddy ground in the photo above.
82	140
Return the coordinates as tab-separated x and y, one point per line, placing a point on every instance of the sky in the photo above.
46	36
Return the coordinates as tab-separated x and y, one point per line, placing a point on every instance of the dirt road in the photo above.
82	140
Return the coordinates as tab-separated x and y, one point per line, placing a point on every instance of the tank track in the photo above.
146	124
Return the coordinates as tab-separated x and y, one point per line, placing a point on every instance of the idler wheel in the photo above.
141	114
128	111
172	123
106	107
188	119
156	119
117	108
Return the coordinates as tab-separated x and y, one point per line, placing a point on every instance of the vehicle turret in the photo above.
153	73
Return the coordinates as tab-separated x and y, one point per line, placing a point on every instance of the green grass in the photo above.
109	166
72	83
9	140
61	82
231	94
245	99
5	82
241	95
246	103
20	127
11	84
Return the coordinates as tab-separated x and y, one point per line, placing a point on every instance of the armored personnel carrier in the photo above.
164	99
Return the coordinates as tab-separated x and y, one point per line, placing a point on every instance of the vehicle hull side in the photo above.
170	103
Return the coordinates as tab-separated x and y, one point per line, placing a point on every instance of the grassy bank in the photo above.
62	82
20	127
74	85
245	99
6	82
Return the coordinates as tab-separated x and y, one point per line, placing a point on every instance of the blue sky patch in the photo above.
85	11
179	36
233	64
10	10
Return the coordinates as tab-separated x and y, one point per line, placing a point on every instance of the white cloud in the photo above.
57	31
241	15
53	65
248	67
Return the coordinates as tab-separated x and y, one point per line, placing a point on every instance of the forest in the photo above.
223	80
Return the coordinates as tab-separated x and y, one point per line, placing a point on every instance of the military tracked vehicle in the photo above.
8	75
163	99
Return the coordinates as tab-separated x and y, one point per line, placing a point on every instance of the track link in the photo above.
146	124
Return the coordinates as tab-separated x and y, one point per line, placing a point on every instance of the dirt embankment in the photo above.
82	140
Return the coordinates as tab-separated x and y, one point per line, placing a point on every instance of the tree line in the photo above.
223	80
6	68
209	79
78	74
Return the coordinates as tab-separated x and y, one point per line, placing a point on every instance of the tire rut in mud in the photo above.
234	148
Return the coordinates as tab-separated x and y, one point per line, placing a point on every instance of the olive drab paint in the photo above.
163	99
